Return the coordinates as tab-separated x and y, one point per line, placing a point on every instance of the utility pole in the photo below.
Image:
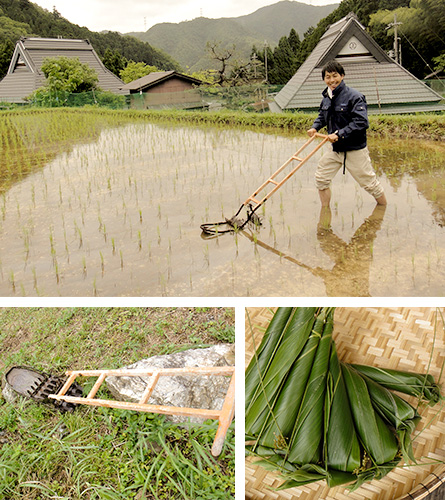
265	60
397	49
254	64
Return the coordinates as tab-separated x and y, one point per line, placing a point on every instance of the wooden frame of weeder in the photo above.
224	416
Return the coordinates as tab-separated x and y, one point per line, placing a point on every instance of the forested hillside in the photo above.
186	41
24	18
422	35
276	20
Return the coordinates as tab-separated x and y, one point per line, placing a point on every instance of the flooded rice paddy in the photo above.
119	215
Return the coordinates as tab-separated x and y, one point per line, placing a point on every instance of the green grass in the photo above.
106	453
425	125
101	337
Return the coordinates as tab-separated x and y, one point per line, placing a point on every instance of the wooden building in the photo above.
25	74
387	86
165	89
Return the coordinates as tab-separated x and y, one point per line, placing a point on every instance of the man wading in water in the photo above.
343	111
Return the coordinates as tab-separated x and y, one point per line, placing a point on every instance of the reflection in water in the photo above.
350	274
120	215
29	141
419	160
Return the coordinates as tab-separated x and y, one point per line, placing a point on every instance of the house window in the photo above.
20	63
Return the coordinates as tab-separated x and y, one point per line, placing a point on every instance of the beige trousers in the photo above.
358	164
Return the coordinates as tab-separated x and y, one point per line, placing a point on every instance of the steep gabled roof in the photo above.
387	85
25	75
157	77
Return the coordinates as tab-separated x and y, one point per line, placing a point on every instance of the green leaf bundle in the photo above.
280	422
421	386
306	439
397	412
291	342
343	451
378	440
312	417
263	354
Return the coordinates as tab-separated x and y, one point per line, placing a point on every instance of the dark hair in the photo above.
332	67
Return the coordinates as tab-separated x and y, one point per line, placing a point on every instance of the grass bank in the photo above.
100	453
399	126
419	126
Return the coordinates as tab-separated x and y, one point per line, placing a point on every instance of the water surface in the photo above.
120	216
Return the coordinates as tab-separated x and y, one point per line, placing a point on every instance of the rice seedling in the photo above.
102	262
56	271
12	279
137	161
206	255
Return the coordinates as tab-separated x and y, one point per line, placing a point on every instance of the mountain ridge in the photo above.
186	41
24	18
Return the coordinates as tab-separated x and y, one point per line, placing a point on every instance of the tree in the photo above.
68	74
422	33
6	51
223	56
135	70
439	63
294	41
285	60
56	13
10	32
114	61
208	76
46	24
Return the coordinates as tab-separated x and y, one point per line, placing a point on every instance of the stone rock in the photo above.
9	394
188	391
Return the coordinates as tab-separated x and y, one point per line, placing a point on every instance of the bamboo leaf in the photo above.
343	451
305	443
263	355
419	385
375	436
397	412
279	426
291	344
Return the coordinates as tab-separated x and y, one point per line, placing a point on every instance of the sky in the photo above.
140	15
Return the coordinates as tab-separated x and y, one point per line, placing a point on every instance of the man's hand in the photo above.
333	137
311	132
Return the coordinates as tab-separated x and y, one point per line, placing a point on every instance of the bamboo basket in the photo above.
399	338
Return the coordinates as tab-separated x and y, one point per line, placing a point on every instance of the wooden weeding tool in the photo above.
224	416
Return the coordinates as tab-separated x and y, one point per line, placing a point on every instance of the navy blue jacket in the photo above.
346	113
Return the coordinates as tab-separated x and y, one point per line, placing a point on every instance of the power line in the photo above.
417	52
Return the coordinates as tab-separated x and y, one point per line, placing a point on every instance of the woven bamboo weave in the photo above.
400	338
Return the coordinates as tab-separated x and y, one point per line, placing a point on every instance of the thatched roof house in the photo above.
25	75
388	87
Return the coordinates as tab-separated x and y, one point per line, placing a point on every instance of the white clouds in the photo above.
134	15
